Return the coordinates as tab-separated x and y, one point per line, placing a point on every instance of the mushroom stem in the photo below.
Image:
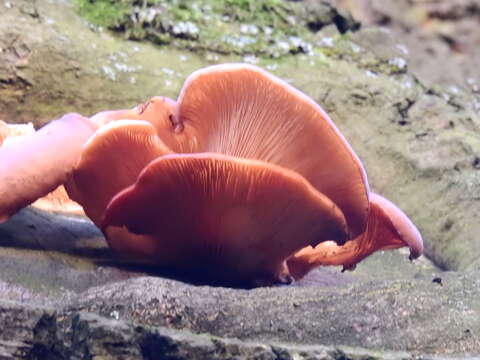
37	163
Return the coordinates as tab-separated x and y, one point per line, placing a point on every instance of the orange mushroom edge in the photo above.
388	228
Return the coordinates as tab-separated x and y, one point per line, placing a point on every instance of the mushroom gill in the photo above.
238	216
243	111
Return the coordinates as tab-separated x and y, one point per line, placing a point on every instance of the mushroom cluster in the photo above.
243	177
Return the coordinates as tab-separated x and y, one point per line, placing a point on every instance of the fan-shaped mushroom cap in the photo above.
36	164
243	111
111	160
388	228
243	217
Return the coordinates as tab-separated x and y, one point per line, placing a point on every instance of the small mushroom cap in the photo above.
37	163
59	202
13	131
243	111
111	160
160	112
388	228
242	217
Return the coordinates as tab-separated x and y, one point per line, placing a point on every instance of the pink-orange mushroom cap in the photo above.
37	163
160	112
56	201
112	159
240	215
241	110
244	177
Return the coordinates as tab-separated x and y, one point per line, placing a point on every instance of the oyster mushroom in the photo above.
266	123
36	164
243	177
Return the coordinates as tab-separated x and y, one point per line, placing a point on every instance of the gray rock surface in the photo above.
90	336
438	35
388	305
63	295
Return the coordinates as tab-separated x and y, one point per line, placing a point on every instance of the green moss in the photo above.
271	28
107	13
262	12
262	28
